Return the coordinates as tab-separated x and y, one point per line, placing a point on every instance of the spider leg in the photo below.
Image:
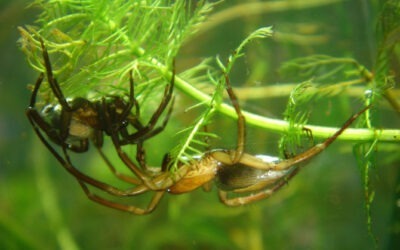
148	130
52	133
152	182
119	175
290	162
309	134
127	208
135	122
131	119
302	157
97	141
283	165
114	135
35	90
59	136
116	192
66	113
145	132
156	183
253	197
144	177
66	163
33	114
132	101
141	155
53	81
241	126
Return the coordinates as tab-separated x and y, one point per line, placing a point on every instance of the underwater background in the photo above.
43	207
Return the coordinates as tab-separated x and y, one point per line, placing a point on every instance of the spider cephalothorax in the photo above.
84	120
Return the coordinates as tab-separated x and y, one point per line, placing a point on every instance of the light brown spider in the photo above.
234	171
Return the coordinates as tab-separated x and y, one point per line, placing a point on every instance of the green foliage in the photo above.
324	76
185	151
324	68
366	159
389	37
94	44
296	114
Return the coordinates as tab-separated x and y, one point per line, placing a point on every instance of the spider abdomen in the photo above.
243	178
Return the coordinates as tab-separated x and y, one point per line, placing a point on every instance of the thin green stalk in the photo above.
281	126
276	125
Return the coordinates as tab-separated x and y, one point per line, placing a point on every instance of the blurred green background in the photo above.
43	207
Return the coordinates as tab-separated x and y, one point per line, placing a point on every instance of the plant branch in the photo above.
280	126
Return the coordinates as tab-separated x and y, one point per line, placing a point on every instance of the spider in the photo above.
234	171
72	123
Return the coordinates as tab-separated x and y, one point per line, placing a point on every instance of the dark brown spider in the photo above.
255	177
72	123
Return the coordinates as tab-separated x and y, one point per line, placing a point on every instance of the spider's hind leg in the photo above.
123	207
259	195
241	123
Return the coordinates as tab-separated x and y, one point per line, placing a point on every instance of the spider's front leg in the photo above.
85	181
55	87
141	133
317	149
42	128
149	130
121	138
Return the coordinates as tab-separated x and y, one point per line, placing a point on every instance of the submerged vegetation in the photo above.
320	82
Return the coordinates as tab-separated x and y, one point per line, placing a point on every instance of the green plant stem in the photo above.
276	125
280	126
